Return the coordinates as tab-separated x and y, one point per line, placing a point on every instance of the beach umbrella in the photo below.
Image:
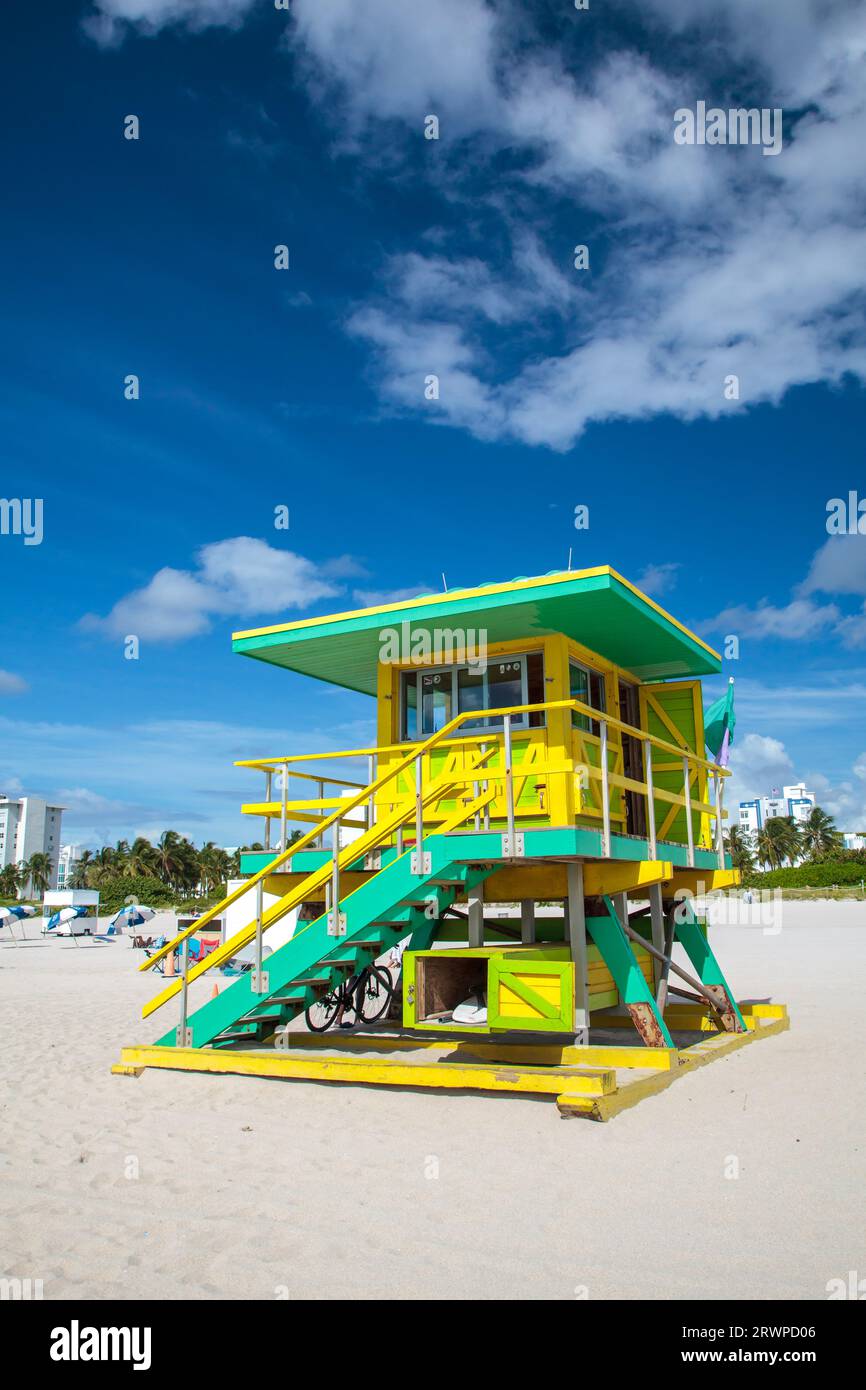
8	914
66	914
133	915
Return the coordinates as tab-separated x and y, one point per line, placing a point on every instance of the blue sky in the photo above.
409	256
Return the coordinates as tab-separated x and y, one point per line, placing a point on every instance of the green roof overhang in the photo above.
598	608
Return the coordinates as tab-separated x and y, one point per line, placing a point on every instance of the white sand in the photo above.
243	1187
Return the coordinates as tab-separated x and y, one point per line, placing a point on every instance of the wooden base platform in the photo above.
593	1082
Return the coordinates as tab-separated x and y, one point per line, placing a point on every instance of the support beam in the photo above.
688	932
527	921
657	921
475	904
610	936
576	919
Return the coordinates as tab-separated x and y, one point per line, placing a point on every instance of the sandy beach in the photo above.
201	1187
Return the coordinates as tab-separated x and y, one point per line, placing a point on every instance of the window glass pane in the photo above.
505	687
535	689
578	684
596	690
409	704
435	701
470	691
587	686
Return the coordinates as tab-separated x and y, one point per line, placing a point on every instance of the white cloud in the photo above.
658	579
757	764
720	262
10	684
839	567
110	20
797	621
241	577
376	598
767	289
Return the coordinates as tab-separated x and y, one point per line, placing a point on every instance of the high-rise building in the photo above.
793	801
69	857
28	826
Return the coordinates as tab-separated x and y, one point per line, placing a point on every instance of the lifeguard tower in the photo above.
538	742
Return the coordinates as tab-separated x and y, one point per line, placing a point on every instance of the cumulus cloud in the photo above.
718	262
796	620
757	764
838	567
768	288
241	577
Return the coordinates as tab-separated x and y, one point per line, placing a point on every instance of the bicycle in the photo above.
368	994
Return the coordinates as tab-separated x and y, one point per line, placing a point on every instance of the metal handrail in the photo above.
387	826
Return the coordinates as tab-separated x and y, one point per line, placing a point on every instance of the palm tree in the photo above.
169	857
819	835
738	843
11	880
207	864
38	872
777	840
143	859
81	872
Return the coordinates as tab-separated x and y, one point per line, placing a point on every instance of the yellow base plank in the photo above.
378	1072
544	1054
588	1092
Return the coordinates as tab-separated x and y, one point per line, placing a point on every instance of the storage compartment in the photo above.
526	989
444	981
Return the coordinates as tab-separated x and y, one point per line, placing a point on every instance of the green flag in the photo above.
719	722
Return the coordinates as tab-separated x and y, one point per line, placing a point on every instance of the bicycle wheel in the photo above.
322	1012
374	994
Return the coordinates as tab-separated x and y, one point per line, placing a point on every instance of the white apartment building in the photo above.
28	826
69	857
793	801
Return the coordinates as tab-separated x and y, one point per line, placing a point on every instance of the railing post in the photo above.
259	981
720	825
321	837
419	858
183	1036
576	936
605	795
509	779
268	793
475	796
650	798
687	792
371	777
486	787
336	918
283	811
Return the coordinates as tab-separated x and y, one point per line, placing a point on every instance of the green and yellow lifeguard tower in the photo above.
538	742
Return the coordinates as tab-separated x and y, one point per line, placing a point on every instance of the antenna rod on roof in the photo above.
444	582
569	558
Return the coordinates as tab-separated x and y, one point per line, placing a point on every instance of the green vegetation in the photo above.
797	857
170	873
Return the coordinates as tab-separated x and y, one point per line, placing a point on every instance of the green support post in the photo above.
635	993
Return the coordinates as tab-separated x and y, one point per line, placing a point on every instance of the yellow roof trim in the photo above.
453	595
